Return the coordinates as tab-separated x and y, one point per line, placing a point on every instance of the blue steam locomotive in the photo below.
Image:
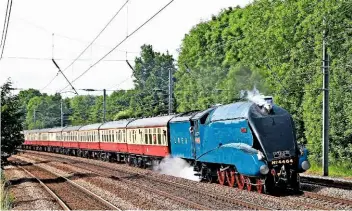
242	144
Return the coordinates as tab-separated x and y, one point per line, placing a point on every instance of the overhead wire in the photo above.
5	20
90	44
60	59
7	28
70	38
97	36
122	41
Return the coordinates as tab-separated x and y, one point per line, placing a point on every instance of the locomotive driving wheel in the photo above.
249	184
230	177
240	181
221	177
259	186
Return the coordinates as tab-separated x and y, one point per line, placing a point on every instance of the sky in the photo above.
40	30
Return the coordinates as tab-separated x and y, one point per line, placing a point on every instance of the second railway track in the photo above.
195	198
69	195
220	201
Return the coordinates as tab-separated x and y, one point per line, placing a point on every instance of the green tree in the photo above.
81	109
11	124
151	73
276	46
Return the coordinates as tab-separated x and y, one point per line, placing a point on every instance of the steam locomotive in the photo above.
242	144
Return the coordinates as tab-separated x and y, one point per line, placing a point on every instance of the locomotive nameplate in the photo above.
286	161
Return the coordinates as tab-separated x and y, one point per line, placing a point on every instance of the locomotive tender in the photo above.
242	144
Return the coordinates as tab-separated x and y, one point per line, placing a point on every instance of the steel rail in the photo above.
347	185
179	185
56	197
329	199
83	189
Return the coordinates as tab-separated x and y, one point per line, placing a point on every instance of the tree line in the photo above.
275	46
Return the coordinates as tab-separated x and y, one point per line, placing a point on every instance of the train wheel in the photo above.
221	177
240	181
259	186
249	184
230	177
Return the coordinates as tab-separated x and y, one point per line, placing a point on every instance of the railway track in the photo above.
327	182
328	200
67	193
320	201
195	197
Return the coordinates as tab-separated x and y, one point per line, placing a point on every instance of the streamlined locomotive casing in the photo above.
242	135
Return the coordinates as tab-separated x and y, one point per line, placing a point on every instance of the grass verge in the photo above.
5	197
341	170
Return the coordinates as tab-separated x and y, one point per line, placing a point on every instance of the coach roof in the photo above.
56	129
116	124
158	121
71	128
91	127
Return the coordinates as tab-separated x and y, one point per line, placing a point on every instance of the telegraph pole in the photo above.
62	114
170	91
325	105
104	105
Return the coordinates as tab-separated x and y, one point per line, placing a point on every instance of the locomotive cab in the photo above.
274	136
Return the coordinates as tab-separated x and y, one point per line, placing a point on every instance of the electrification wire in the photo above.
123	81
45	59
97	36
7	28
71	38
128	36
90	43
5	20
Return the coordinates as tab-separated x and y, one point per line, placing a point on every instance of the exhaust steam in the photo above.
176	167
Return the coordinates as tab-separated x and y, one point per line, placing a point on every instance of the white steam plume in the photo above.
177	167
257	98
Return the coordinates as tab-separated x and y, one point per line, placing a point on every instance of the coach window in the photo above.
117	134
159	135
146	136
164	137
150	136
134	136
